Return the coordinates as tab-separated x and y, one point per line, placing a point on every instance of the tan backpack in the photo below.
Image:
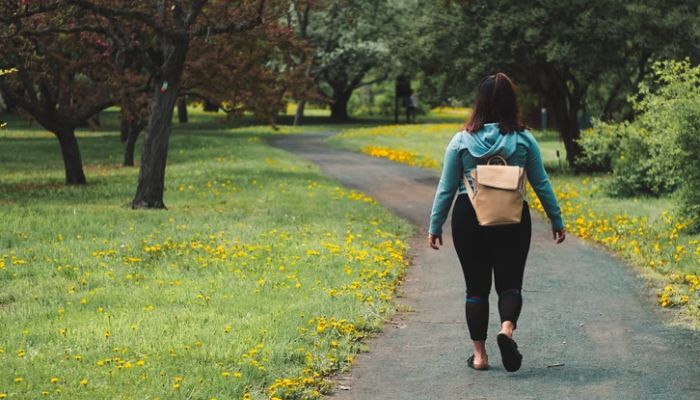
498	192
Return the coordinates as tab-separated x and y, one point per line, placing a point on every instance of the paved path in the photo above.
582	309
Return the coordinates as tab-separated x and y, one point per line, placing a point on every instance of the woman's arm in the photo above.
539	181
449	182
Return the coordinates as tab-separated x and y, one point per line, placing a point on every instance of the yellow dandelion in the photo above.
84	382
54	380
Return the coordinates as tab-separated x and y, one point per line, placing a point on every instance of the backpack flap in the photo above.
504	177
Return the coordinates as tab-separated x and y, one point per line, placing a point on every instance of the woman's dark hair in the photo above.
495	102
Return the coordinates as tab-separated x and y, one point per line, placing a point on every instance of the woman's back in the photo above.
466	150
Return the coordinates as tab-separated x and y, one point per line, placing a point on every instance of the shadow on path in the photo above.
582	309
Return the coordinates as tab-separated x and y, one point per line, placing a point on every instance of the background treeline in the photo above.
601	61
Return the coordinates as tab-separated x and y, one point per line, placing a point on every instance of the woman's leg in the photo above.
469	242
509	268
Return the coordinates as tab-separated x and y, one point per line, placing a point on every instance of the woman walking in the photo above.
492	130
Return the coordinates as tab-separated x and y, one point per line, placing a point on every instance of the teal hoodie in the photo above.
518	148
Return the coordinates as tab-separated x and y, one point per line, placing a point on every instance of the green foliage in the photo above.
645	155
599	144
646	163
574	55
689	141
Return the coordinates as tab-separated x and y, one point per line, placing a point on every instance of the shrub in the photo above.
689	143
645	155
600	144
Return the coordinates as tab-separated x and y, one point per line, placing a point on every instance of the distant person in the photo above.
411	108
492	130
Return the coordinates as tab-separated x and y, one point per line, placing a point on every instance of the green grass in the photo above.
260	267
645	231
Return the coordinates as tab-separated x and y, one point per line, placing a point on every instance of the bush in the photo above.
689	143
645	156
600	144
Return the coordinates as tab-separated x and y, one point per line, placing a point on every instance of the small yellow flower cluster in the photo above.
308	386
256	357
452	111
400	156
340	193
8	71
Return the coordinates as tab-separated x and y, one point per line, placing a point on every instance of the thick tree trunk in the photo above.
299	115
182	110
149	193
566	119
71	157
339	108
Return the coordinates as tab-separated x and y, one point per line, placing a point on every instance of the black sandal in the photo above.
512	359
478	367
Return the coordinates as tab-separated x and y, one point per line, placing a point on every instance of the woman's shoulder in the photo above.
527	138
457	141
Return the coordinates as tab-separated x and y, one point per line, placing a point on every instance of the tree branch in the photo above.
108	12
233	27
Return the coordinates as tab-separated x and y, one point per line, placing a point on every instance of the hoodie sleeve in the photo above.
449	182
539	181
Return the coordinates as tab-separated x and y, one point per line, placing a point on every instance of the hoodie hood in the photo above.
488	141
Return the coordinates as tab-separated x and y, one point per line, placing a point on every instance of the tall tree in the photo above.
171	27
577	55
60	82
351	43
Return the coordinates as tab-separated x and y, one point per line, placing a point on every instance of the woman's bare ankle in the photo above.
507	328
480	356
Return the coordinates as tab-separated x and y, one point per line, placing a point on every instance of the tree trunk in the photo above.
71	157
149	193
182	110
299	115
123	128
134	129
566	119
339	108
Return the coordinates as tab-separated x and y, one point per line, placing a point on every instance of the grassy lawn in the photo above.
259	281
644	231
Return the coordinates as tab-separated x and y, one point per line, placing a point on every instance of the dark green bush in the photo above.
600	145
645	156
689	142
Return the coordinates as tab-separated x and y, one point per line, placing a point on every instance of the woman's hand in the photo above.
433	239
559	235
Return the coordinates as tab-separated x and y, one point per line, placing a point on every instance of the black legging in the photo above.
501	249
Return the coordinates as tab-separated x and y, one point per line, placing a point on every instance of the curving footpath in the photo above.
588	329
